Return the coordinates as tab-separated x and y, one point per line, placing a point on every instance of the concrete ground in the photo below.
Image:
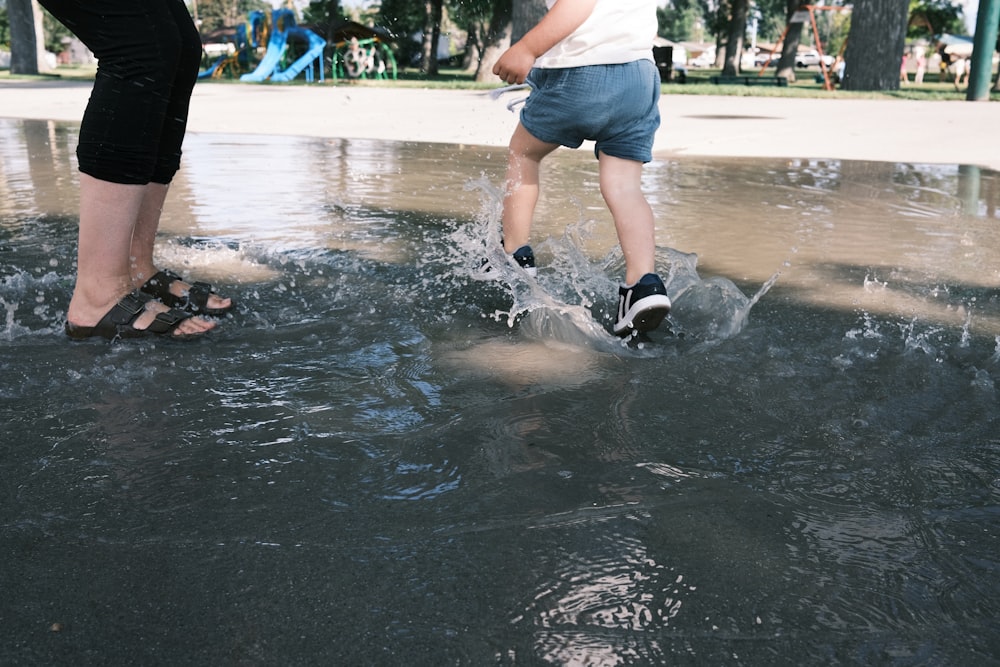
883	130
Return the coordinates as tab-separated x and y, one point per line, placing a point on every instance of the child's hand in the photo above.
515	64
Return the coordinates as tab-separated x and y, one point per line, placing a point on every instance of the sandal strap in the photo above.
198	295
167	321
159	287
195	300
126	311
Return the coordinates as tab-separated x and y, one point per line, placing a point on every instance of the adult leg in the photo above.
142	267
621	187
137	50
169	155
107	216
524	156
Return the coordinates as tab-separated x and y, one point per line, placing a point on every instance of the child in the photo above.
590	65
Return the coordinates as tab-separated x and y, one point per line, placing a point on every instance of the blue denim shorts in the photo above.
615	106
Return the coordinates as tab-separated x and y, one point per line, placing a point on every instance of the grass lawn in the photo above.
698	83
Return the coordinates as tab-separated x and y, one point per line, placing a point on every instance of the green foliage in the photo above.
403	18
4	28
773	19
468	12
833	27
681	21
323	15
55	32
215	14
934	17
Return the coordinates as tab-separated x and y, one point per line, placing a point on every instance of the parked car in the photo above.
811	58
766	57
704	59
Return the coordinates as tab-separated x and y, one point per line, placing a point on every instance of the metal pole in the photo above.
984	43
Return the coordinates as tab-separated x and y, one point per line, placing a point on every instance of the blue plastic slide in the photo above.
278	43
314	54
275	49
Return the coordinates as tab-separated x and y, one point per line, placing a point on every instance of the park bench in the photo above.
752	80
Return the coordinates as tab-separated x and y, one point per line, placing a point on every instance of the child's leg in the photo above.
621	188
521	186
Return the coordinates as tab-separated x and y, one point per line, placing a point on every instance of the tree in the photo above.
488	25
27	46
325	16
875	45
4	27
527	13
216	14
403	19
433	12
929	18
497	38
737	29
773	17
790	45
680	20
717	25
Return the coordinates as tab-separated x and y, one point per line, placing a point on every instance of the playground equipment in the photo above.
282	27
246	38
363	58
359	52
804	14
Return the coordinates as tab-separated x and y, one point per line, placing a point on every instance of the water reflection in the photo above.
385	454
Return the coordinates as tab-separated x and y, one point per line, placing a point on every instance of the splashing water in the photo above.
572	299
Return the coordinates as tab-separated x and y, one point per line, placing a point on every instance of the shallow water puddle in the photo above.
385	452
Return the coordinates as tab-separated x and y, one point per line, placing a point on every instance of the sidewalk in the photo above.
880	130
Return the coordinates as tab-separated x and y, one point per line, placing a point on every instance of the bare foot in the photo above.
191	326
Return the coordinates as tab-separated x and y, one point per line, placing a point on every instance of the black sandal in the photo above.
195	301
117	322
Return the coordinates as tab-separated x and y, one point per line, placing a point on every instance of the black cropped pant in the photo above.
148	55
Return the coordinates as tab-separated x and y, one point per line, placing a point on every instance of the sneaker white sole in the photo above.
644	315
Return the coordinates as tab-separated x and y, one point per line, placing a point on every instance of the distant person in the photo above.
838	69
148	56
904	78
918	77
961	66
590	65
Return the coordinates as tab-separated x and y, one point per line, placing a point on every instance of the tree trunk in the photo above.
734	43
27	39
790	45
473	47
719	22
875	45
496	39
432	35
526	13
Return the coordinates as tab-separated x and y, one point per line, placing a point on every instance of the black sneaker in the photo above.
524	257
642	306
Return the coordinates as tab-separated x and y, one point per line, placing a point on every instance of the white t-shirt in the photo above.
618	31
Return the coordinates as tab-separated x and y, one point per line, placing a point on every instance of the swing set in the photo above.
807	14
